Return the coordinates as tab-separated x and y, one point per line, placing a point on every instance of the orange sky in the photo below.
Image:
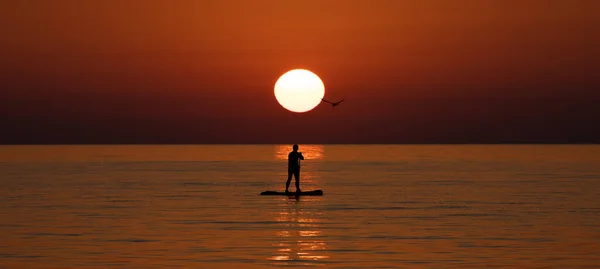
203	71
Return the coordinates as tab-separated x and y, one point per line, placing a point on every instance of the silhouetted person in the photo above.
294	168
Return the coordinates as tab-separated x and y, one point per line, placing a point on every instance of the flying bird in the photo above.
333	103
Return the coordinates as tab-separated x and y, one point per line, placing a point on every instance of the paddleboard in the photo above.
304	193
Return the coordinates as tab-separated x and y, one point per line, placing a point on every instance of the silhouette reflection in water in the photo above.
301	239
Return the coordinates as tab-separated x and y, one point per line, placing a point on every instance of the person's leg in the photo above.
297	177
287	183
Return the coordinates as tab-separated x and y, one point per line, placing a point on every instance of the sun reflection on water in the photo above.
301	240
310	152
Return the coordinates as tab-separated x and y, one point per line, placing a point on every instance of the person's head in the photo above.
295	147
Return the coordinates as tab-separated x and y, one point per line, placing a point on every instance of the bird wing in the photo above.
326	101
340	101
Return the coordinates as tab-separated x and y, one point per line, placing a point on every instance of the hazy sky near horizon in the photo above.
134	71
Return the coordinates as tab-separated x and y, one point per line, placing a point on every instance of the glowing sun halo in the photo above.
299	90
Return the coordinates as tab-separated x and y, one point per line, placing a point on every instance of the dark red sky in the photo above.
136	71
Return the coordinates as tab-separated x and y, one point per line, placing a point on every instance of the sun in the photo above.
299	90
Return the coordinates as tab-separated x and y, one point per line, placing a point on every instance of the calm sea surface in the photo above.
385	206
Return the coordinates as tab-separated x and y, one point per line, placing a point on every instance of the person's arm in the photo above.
300	155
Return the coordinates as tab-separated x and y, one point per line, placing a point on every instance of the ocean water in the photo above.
384	206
